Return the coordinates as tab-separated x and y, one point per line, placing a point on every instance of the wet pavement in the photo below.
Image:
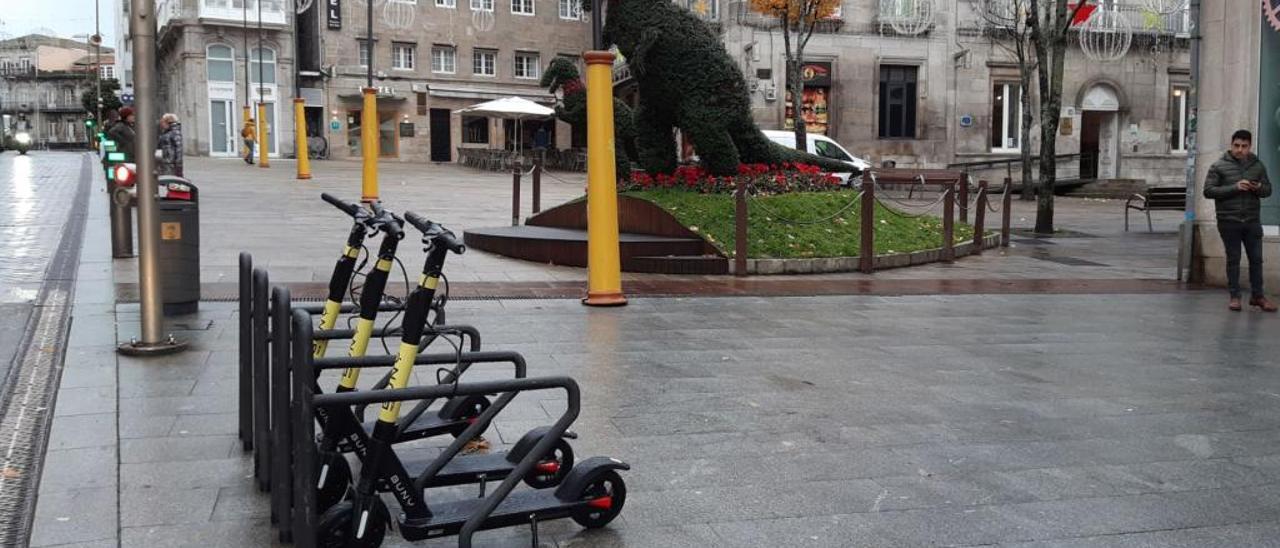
1065	393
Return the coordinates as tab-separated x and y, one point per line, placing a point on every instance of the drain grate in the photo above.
26	404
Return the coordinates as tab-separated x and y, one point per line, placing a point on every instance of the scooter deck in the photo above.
427	425
463	470
448	518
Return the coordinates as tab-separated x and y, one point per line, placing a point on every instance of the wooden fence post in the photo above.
867	247
740	231
948	224
1006	213
963	196
980	219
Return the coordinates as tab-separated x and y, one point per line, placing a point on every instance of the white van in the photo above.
825	147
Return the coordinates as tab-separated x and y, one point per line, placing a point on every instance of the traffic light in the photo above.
89	123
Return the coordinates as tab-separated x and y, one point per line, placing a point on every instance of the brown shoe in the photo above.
1263	303
1234	305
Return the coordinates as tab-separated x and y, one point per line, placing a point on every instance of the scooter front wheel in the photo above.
340	526
333	480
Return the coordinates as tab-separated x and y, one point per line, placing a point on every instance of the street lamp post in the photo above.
604	269
369	120
142	27
263	128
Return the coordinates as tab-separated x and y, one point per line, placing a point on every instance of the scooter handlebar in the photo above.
348	208
438	234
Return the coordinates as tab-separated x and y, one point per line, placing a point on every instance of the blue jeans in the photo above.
1250	234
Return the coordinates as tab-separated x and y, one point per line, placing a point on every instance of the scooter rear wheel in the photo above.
562	454
608	484
337	527
471	408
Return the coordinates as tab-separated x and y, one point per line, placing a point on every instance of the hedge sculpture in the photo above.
562	74
687	80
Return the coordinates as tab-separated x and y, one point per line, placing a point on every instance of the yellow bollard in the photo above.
369	145
604	266
263	134
300	137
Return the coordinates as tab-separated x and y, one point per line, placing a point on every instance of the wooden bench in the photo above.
1162	198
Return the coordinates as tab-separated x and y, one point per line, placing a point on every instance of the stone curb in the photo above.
824	265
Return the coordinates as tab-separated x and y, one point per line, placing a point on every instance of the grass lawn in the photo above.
834	234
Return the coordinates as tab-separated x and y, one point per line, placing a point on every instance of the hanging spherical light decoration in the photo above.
301	6
399	14
908	17
1106	36
482	20
1164	7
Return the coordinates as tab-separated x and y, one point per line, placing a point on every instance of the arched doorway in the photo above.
1099	132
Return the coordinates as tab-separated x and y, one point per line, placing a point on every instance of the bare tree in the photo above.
1050	23
799	18
1007	28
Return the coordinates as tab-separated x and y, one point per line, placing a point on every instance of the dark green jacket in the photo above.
1234	204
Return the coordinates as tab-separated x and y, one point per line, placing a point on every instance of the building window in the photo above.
526	66
128	78
522	7
364	52
484	63
1178	116
444	60
571	9
475	130
402	56
1006	118
108	72
220	64
268	66
446	4
422	104
897	102
481	5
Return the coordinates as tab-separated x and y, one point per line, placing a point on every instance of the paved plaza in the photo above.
1134	412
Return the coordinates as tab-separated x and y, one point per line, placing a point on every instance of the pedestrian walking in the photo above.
170	145
1237	183
249	133
540	141
123	134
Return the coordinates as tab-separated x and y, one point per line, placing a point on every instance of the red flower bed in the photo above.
761	178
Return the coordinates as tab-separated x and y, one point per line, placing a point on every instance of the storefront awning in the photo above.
453	91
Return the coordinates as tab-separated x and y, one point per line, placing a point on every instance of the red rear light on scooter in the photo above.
602	503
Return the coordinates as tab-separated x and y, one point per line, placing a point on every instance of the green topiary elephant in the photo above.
562	74
687	80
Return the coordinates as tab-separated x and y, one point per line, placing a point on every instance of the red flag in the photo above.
1083	14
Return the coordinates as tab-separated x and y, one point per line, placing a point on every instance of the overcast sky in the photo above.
66	18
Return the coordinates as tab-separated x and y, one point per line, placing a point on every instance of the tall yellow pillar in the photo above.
300	137
263	135
369	146
604	265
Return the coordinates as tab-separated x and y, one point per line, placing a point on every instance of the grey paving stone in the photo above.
87	376
1261	534
211	424
143	426
80	468
154	388
81	431
165	505
728	502
186	474
204	535
75	516
176	448
241	503
85	401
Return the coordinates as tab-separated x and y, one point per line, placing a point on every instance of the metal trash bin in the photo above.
178	205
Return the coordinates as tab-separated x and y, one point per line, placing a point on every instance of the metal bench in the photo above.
1164	198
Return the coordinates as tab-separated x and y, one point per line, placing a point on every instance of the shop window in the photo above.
1178	115
527	65
475	130
1006	118
897	102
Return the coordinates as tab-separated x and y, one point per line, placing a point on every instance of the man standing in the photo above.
1237	183
123	134
170	145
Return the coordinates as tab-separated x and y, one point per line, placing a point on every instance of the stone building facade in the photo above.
433	57
208	70
937	98
42	79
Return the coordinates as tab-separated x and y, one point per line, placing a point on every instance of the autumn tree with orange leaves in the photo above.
798	19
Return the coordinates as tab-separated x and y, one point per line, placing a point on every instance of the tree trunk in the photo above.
795	86
1028	116
1050	38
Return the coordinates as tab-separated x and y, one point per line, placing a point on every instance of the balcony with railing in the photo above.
1141	20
